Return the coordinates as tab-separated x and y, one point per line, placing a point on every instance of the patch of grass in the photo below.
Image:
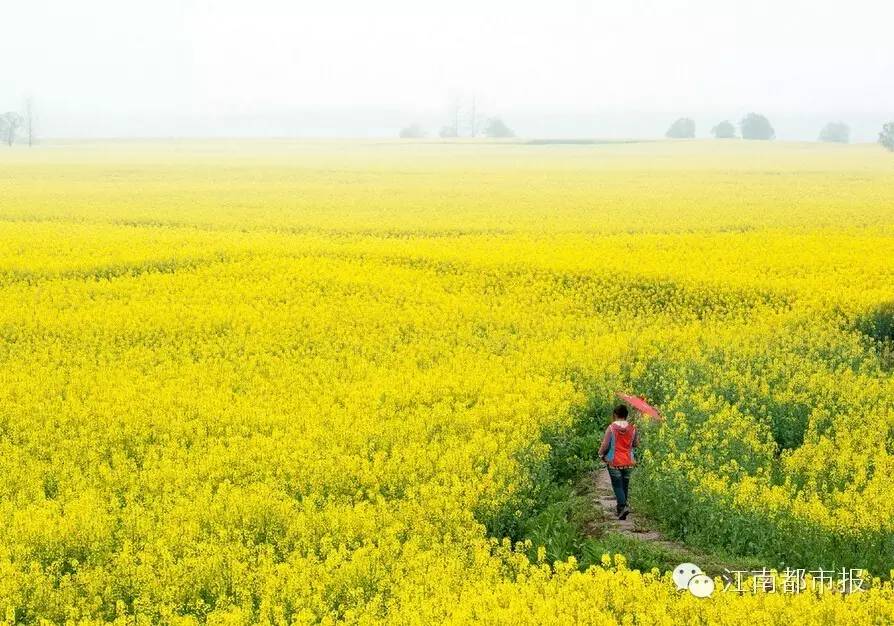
642	555
878	325
559	526
645	555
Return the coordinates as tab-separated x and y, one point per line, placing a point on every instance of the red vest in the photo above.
620	450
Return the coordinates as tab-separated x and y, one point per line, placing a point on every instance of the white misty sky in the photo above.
91	60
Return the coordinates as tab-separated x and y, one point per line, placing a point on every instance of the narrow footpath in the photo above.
597	487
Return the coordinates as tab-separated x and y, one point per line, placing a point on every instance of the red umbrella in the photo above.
641	405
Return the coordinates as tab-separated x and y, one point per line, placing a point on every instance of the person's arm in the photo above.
636	438
603	449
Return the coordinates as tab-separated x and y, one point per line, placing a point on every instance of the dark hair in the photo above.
620	411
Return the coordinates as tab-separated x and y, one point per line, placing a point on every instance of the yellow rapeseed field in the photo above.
318	382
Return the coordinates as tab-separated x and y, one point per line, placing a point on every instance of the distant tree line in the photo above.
757	127
492	128
753	126
464	119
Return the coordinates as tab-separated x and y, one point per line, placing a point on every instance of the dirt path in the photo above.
635	526
597	487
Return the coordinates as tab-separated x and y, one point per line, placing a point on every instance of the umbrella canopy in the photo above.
641	405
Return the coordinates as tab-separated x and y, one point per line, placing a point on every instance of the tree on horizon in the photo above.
683	128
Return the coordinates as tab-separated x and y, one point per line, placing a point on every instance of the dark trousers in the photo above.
620	484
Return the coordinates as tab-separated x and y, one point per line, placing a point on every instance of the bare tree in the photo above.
10	123
29	120
463	116
453	114
473	129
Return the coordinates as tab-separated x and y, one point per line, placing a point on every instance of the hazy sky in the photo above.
127	67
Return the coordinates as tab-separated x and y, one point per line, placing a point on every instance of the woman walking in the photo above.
617	450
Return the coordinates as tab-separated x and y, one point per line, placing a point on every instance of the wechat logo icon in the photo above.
690	576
